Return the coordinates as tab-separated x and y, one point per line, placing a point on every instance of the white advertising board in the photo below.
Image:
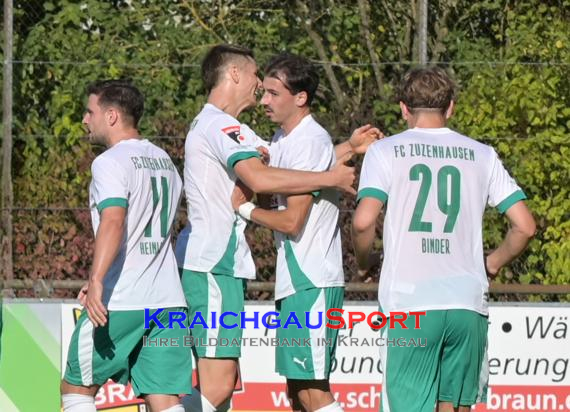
529	353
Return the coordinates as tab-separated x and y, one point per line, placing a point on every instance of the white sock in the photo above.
332	407
175	408
196	402
75	402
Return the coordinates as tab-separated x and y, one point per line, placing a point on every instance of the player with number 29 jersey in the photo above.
434	222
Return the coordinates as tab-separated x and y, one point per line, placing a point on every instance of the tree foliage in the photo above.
510	59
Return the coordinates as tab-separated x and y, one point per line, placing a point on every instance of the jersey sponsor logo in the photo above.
233	132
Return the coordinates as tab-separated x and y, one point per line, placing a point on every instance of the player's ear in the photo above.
405	111
301	99
112	116
450	110
233	71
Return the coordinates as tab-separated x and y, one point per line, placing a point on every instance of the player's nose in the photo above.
265	99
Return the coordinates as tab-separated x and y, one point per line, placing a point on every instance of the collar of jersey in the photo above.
303	121
434	130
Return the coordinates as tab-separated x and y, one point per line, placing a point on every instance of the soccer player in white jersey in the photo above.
217	258
309	273
435	184
134	193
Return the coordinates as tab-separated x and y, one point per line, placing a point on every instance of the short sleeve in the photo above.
375	175
109	184
249	138
503	190
225	138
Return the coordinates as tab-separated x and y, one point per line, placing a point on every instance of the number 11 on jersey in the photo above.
163	207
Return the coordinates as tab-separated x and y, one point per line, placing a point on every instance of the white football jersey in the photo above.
435	184
139	176
314	257
216	242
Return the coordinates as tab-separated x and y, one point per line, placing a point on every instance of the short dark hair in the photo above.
297	74
427	88
216	59
122	94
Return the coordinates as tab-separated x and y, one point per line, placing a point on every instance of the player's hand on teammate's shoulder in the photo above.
240	195
94	303
364	136
264	152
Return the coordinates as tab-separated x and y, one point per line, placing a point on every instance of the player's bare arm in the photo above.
263	179
289	221
523	228
364	230
359	141
240	194
107	243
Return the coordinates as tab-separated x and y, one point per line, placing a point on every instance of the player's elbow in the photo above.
293	228
528	228
296	230
522	220
360	224
257	185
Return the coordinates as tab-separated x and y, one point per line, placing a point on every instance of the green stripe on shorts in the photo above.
305	353
207	293
124	350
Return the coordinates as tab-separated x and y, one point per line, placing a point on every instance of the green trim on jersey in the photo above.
227	263
299	279
316	193
511	200
236	157
112	201
372	192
